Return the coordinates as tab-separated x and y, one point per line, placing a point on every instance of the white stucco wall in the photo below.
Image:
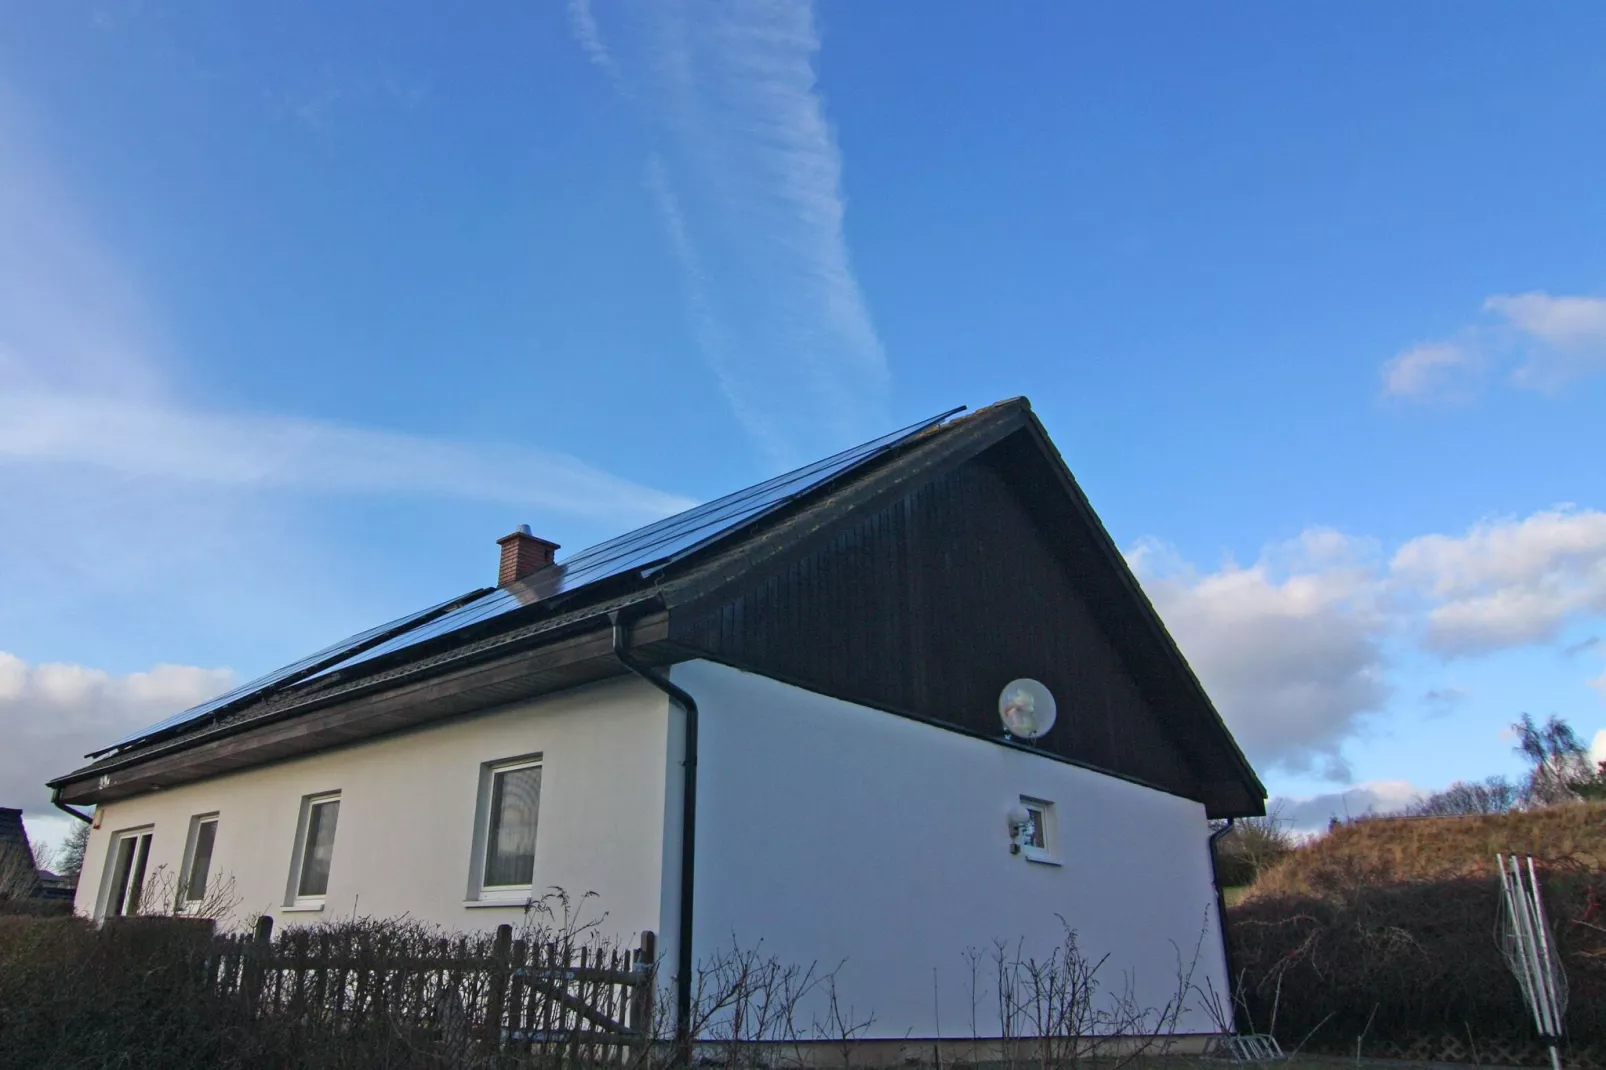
407	812
830	831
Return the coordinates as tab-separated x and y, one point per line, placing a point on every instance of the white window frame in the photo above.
480	894
1046	822
293	899
183	903
139	865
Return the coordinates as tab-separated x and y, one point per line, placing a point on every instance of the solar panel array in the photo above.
297	670
653	546
500	601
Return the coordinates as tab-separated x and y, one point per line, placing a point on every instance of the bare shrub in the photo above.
365	992
162	894
72	995
742	999
748	1010
841	1024
1057	1012
1397	961
1253	846
154	990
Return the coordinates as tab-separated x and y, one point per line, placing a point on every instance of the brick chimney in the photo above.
522	554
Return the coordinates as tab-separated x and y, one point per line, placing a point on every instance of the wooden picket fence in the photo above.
580	1003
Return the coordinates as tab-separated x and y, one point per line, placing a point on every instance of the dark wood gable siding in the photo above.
928	605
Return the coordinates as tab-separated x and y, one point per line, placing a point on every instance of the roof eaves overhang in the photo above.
523	664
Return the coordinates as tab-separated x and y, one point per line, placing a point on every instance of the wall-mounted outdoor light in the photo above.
1019	822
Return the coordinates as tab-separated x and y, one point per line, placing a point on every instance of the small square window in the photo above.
1039	835
315	849
197	861
508	812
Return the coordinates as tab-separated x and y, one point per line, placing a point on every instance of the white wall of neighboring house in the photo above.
404	837
834	833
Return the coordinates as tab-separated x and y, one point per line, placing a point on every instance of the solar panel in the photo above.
491	605
656	544
307	666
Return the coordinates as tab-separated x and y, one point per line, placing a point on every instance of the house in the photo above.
775	717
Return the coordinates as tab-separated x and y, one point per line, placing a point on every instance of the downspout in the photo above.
1221	922
688	832
55	800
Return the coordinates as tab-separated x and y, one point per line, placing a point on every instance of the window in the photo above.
130	851
315	849
197	860
509	808
1037	838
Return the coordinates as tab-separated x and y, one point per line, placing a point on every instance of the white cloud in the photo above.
52	714
1431	369
1312	813
1289	648
583	24
1507	582
1292	649
1570	332
749	189
144	439
1552	340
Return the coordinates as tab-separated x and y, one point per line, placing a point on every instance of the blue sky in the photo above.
301	307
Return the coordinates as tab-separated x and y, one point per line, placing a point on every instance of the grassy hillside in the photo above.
1388	850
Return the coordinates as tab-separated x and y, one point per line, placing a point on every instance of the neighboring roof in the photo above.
682	558
18	874
11	830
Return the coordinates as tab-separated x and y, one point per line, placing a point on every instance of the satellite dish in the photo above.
1027	709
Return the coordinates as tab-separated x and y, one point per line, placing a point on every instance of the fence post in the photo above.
256	960
496	995
641	1006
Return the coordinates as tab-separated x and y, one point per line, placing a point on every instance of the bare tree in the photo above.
69	860
1496	795
1556	757
42	853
